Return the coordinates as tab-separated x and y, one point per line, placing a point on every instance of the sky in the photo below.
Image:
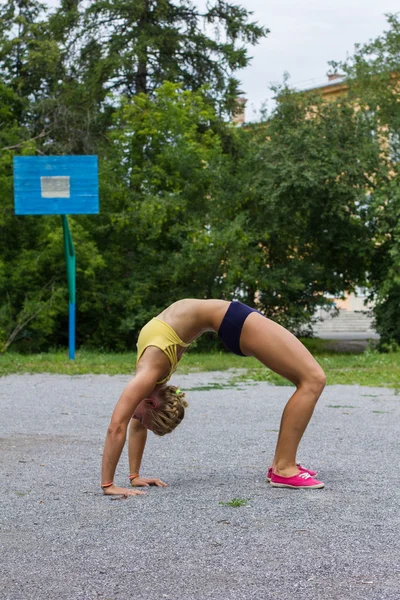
305	35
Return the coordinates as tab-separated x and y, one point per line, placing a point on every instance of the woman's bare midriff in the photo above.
189	318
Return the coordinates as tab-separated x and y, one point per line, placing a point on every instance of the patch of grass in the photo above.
258	372
110	363
235	502
58	362
369	368
341	406
366	368
212	386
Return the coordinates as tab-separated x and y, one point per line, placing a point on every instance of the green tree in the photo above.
129	48
292	215
62	75
27	55
373	76
157	186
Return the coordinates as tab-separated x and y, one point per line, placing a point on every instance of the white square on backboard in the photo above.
55	187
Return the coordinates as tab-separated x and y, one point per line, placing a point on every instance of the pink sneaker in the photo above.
300	467
301	480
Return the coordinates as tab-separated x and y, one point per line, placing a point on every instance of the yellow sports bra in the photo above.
161	335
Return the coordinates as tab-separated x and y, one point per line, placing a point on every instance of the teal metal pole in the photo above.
70	259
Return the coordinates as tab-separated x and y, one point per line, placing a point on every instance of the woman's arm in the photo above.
136	445
139	388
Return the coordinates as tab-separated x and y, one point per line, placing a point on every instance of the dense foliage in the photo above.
279	213
88	78
374	78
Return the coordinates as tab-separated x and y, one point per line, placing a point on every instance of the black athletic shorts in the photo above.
232	323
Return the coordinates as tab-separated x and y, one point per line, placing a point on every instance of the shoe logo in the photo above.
304	475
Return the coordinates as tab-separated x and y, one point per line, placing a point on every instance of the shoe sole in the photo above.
269	478
298	487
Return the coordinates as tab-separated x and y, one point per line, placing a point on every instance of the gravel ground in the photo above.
62	539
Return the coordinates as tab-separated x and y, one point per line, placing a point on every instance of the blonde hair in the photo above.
170	411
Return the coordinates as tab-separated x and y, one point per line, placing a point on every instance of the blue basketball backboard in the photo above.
56	185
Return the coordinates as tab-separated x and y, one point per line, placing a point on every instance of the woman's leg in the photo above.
284	354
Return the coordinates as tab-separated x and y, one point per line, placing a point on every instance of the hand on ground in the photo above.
146	481
114	490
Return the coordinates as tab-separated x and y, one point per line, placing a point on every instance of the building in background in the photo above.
238	117
335	87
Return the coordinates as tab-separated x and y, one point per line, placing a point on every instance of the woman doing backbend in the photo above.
148	402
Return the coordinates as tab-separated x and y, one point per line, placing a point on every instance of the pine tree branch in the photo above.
37	137
22	323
